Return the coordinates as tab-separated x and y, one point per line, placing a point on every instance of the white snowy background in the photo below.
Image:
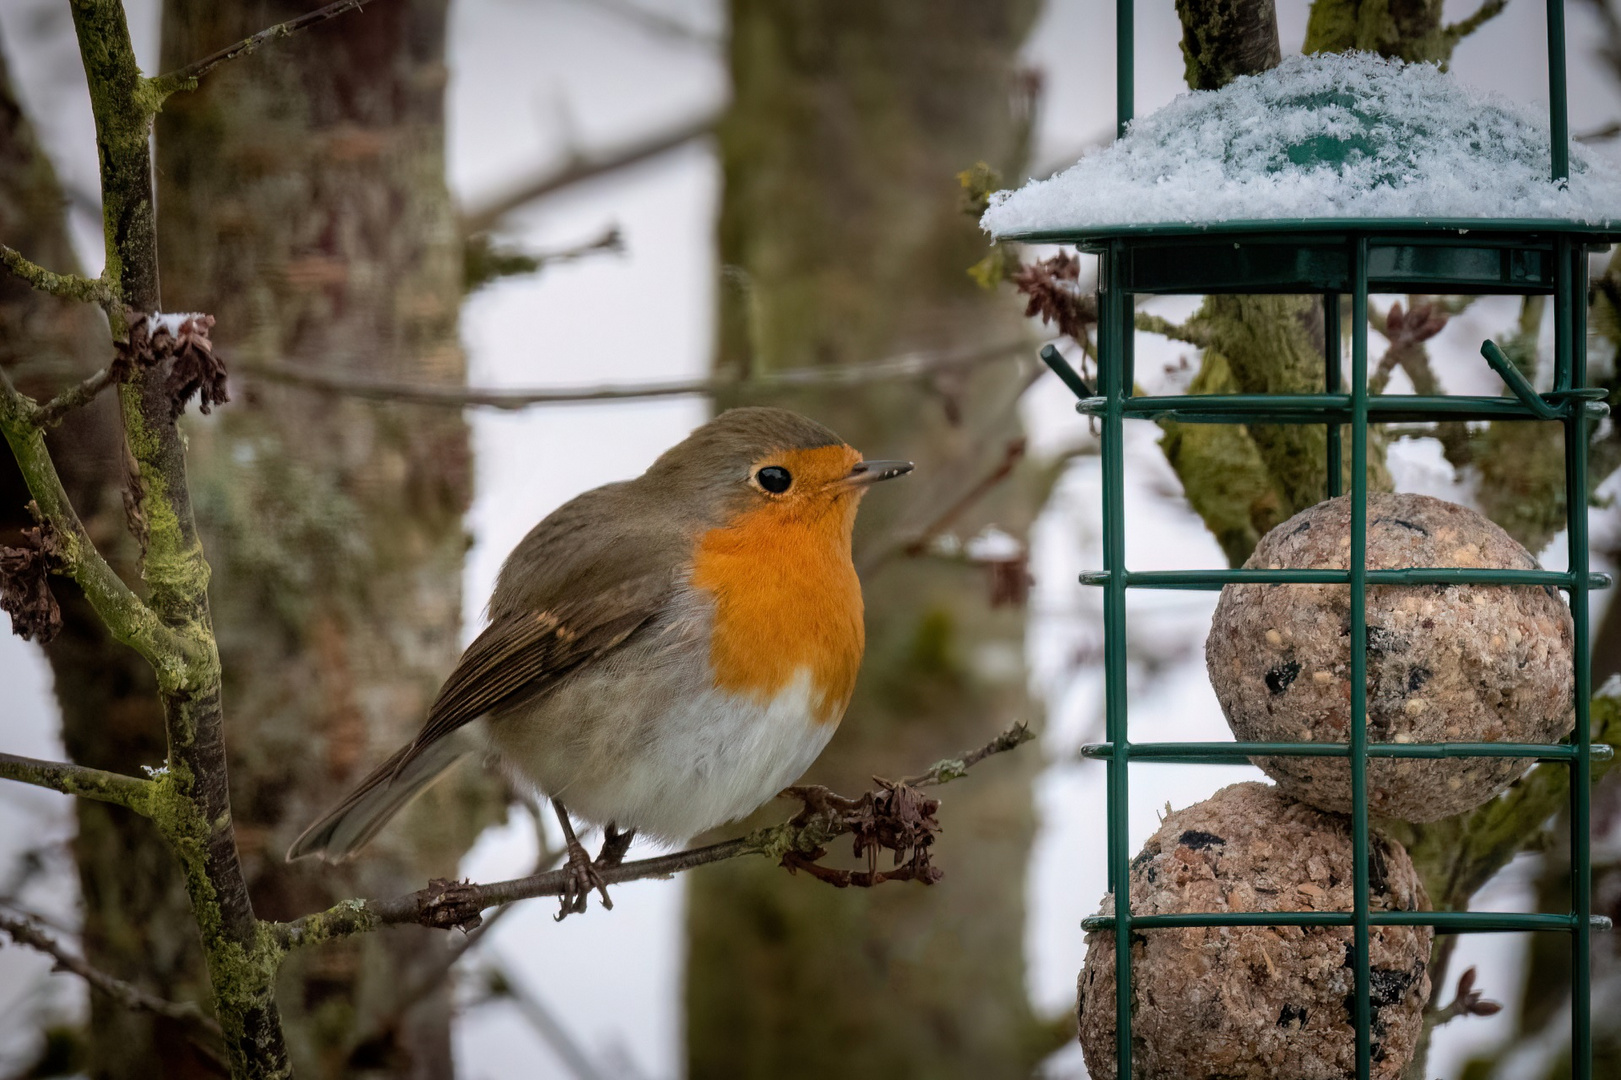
533	79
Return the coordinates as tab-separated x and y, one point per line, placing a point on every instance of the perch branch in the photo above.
460	397
126	994
801	839
186	78
130	792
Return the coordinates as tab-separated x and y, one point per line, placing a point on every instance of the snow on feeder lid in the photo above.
1327	136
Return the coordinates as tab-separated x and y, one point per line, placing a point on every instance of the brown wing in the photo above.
521	655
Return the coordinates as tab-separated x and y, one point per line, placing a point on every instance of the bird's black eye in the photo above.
774	478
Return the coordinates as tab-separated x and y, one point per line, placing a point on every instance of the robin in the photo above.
665	653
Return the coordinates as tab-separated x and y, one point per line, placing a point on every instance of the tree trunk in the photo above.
1223	39
303	203
843	240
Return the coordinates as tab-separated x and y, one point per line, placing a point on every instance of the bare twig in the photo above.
127	791
1487	11
484	261
51	413
186	78
69	286
578	168
24	932
446	904
456	397
943	772
916	543
1602	133
1191	333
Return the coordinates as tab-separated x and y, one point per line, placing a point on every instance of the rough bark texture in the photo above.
304	205
1409	29
842	238
1223	39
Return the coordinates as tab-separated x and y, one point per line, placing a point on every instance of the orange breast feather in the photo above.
786	599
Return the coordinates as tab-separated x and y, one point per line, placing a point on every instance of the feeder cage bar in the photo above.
1332	258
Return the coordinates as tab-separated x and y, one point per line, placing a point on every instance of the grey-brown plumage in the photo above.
597	581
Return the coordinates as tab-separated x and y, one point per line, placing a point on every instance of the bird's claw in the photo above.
582	879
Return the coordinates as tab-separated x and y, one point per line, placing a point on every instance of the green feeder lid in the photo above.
1323	142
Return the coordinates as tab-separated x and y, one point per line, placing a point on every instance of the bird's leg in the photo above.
614	846
583	876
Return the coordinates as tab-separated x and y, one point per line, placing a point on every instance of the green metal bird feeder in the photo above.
1343	161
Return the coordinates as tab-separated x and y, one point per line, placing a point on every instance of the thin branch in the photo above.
446	904
578	168
67	286
126	615
98	784
484	261
51	413
186	78
458	397
916	543
1487	11
126	994
943	772
1185	332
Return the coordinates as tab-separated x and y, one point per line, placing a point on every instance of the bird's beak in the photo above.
866	473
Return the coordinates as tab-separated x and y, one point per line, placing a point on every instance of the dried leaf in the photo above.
194	368
1053	290
25	590
182	343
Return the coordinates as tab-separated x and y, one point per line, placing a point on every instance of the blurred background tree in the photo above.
843	238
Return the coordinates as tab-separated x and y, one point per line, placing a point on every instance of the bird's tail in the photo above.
350	825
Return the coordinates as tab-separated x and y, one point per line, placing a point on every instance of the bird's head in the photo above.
773	464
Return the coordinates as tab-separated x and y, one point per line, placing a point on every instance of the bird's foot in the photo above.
582	879
582	875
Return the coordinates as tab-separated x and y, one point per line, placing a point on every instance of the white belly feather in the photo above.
659	749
